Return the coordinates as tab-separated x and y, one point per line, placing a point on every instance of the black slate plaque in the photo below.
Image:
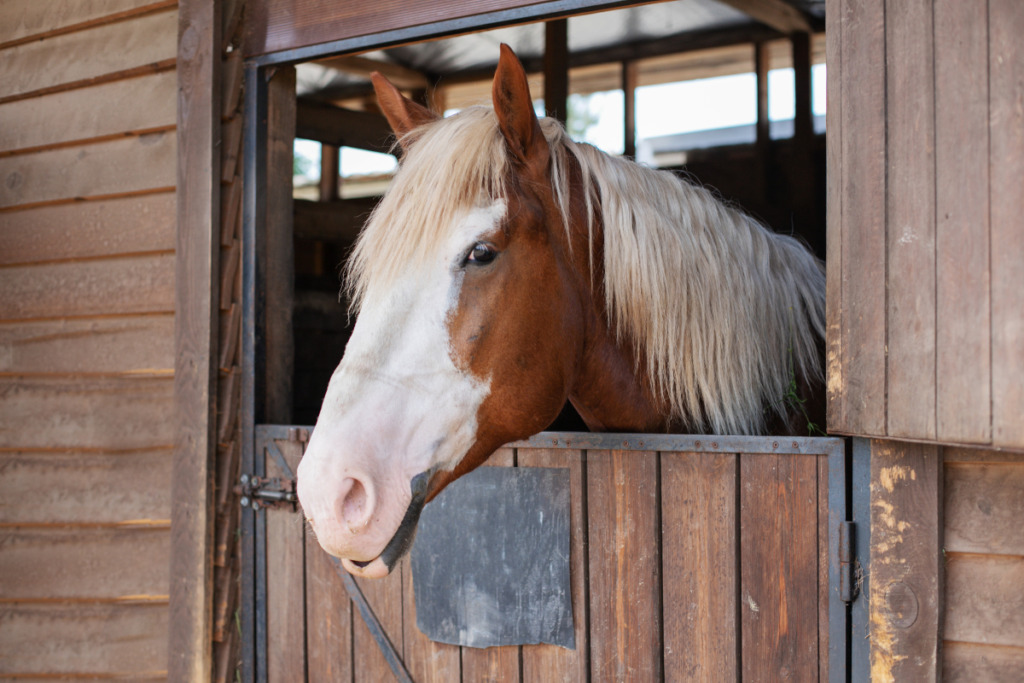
490	563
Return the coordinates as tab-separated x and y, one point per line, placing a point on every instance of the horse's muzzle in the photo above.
401	542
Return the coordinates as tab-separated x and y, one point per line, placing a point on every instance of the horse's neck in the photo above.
608	394
609	391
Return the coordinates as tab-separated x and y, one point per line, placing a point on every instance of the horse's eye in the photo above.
481	253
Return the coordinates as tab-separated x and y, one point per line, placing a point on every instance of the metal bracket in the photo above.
847	585
267	492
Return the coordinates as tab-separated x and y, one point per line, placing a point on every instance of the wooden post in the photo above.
330	156
762	143
196	308
629	75
805	187
556	69
279	248
906	561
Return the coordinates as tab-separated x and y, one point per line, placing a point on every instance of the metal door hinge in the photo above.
267	492
847	560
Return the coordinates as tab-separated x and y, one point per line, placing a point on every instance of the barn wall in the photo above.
926	251
947	563
87	261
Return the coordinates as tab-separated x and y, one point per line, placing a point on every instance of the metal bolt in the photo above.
245	501
244	479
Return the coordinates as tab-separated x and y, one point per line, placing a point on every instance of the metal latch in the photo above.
267	492
847	586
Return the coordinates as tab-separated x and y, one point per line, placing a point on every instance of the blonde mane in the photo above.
723	312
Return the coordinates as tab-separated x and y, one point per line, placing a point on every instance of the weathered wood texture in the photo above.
85	57
906	561
684	566
87	163
276	25
926	286
983	528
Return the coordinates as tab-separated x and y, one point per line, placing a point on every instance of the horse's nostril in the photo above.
355	505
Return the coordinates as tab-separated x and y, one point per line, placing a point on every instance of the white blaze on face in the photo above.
396	406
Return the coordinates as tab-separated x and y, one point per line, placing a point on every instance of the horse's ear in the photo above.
514	107
402	113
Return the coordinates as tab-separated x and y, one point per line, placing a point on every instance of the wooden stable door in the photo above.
692	558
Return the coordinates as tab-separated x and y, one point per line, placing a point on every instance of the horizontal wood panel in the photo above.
86	639
81	564
142	284
99	488
984	601
984	508
115	108
118	167
142	345
970	662
283	24
24	18
108	227
83	55
86	413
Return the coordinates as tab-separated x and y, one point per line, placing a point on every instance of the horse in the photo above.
509	269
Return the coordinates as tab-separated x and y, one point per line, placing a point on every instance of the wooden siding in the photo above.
712	564
947	563
281	25
983	633
926	282
87	164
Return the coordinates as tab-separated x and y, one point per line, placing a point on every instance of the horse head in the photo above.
469	325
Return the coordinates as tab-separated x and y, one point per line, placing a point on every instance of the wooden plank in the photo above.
953	454
286	618
779	566
63	60
385	599
328	619
24	19
984	603
107	227
625	575
140	346
85	413
910	216
963	333
699	562
1006	166
493	663
984	508
72	564
826	629
91	640
123	166
906	561
969	662
835	362
543	663
556	69
426	661
862	53
782	17
273	28
139	284
99	488
279	249
332	125
106	110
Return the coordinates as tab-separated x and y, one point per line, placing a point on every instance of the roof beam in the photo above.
777	14
402	77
